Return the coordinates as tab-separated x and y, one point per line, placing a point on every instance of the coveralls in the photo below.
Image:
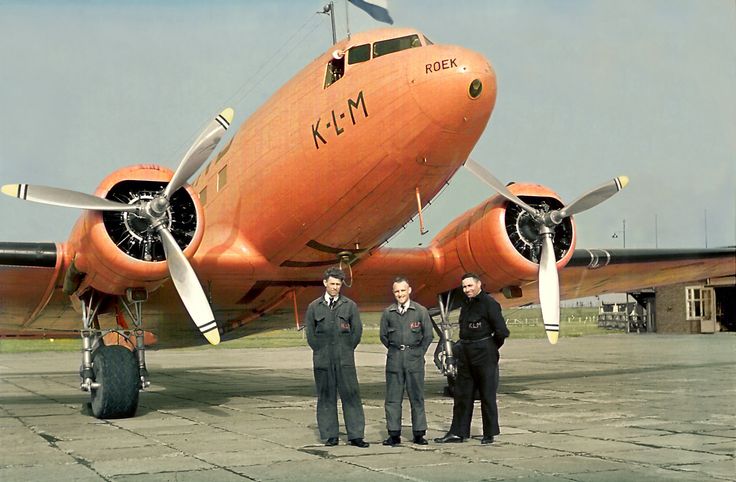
407	337
482	332
333	333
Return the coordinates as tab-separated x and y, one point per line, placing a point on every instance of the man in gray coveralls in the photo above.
406	331
333	331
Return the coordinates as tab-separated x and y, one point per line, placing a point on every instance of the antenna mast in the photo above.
330	9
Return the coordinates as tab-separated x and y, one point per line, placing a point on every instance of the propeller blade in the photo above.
63	197
199	151
188	287
484	175
549	289
592	198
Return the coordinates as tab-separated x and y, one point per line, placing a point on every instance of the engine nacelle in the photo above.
119	250
500	242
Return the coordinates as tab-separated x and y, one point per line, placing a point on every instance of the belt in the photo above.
475	340
404	347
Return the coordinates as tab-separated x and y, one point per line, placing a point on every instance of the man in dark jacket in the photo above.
406	331
333	331
482	332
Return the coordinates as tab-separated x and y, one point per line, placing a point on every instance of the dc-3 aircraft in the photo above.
336	162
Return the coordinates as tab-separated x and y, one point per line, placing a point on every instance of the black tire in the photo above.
116	370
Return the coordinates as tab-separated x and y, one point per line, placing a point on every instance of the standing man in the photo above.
333	331
482	332
406	331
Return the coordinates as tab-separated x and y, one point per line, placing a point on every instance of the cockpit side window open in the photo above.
395	44
359	53
335	70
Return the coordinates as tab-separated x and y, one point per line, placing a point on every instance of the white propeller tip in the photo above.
213	336
10	189
228	115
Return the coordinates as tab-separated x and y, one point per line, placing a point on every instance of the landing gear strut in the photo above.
443	355
113	374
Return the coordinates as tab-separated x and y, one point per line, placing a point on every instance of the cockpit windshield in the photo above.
395	44
362	53
359	53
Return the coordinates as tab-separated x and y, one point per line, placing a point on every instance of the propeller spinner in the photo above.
154	212
545	223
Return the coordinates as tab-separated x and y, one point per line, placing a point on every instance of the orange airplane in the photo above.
323	174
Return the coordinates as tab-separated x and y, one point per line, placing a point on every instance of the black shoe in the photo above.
392	440
359	442
331	442
420	440
449	438
487	439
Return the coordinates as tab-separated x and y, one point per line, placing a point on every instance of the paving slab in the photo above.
51	471
601	408
149	465
214	475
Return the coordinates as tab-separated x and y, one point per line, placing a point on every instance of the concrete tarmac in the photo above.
600	408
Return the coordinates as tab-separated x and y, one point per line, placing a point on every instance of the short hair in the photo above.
336	273
401	279
469	275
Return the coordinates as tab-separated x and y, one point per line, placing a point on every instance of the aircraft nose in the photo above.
454	87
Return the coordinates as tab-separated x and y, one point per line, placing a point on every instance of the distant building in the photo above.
708	306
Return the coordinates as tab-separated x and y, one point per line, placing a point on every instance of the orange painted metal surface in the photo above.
108	269
315	174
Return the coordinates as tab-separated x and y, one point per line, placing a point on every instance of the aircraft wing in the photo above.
31	289
592	272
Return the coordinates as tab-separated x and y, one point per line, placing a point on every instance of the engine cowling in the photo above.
498	240
118	250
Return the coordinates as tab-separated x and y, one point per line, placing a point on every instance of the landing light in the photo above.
475	89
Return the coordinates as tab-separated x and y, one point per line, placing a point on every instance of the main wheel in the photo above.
116	371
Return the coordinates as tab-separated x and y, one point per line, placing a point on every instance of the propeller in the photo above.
154	212
64	197
546	221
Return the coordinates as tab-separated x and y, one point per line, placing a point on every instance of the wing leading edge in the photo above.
592	272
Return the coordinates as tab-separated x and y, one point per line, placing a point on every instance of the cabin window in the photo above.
427	41
359	53
395	44
203	195
222	178
335	70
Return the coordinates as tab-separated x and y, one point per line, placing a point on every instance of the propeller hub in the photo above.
158	206
526	230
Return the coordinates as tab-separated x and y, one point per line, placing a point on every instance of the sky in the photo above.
587	90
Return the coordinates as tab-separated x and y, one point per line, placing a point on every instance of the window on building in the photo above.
699	302
222	178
